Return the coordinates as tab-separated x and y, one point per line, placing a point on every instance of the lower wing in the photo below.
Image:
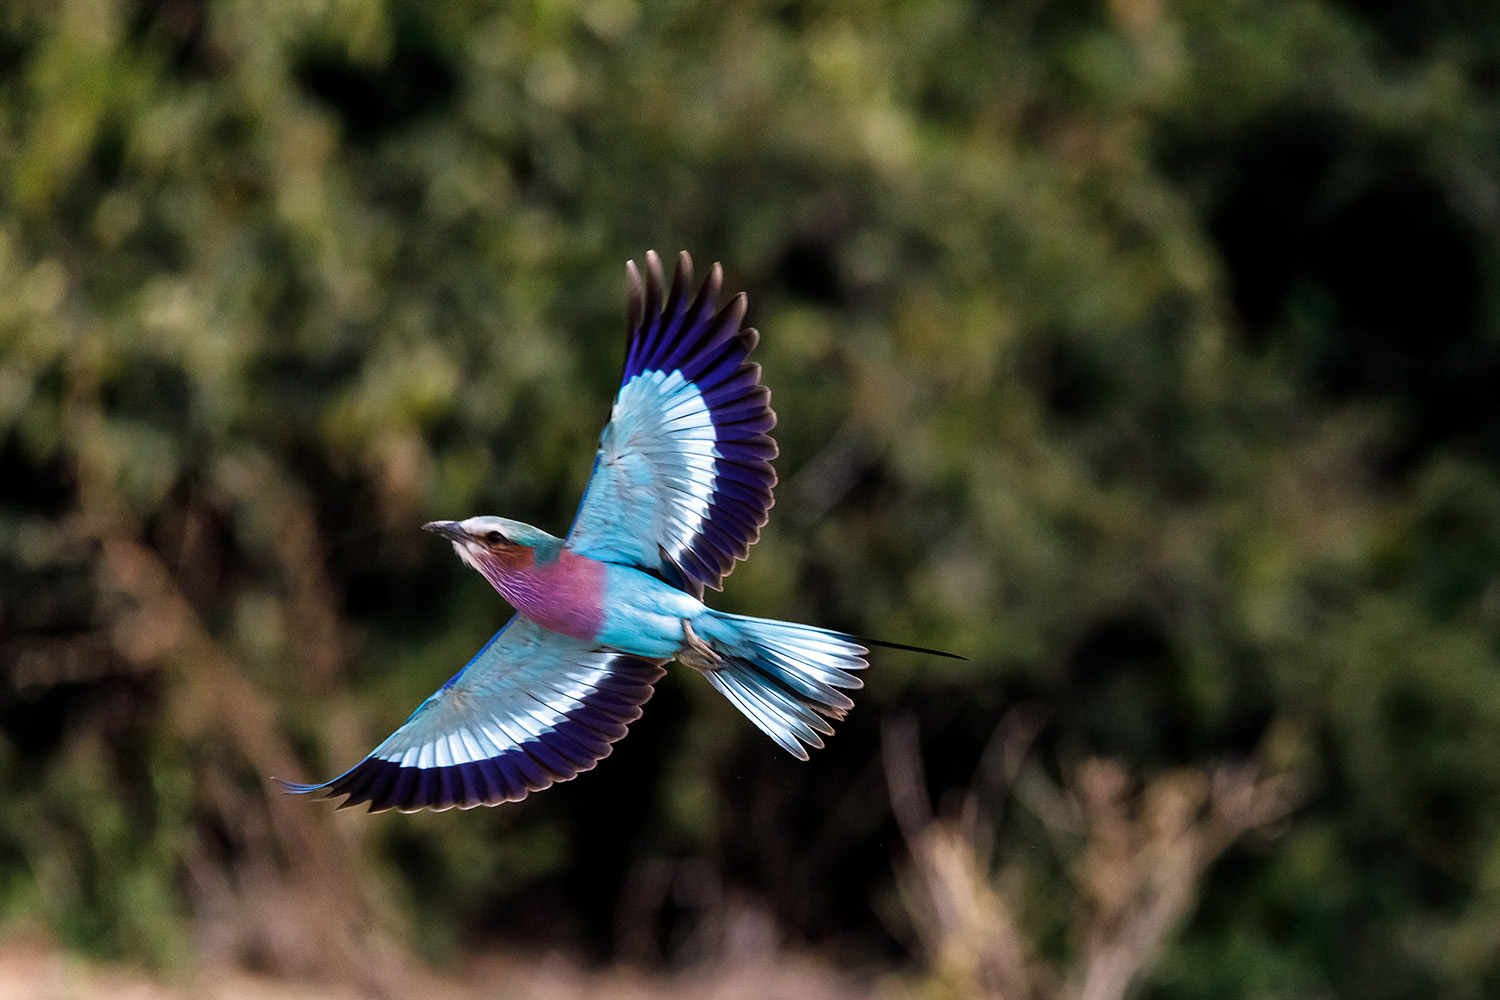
531	708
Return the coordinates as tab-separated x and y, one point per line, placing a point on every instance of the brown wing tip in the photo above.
652	292
634	296
653	269
734	311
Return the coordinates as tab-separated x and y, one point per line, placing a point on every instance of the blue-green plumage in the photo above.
681	487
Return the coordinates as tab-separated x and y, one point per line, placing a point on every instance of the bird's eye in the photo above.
494	538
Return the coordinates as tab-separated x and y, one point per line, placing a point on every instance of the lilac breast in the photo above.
565	595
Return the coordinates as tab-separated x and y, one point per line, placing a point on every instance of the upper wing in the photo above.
532	707
682	480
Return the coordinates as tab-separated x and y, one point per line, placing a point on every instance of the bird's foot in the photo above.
695	652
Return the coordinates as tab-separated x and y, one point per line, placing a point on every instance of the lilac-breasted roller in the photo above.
680	490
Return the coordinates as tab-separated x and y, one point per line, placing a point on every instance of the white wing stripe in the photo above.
527	721
658	398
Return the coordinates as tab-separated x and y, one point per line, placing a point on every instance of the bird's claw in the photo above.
695	652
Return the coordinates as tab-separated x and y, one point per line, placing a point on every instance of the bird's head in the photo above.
488	542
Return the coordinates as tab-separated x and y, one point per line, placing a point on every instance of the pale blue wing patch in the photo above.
531	708
682	479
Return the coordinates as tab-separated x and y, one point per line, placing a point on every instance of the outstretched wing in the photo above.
682	480
532	707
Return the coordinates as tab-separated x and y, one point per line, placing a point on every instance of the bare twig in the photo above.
1144	847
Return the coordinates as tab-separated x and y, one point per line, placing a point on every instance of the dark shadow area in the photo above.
415	81
1348	259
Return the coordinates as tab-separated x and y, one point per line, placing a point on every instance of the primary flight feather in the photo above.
681	487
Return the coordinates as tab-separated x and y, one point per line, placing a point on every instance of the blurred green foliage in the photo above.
1143	352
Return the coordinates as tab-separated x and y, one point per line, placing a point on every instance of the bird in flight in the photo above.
680	490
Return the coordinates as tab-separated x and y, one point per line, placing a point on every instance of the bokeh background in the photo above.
1145	352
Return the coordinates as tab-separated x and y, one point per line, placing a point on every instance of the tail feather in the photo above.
785	678
777	713
812	683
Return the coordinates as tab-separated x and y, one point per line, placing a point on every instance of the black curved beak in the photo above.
447	529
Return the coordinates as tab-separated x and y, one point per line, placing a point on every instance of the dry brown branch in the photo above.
969	928
1144	845
1145	856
